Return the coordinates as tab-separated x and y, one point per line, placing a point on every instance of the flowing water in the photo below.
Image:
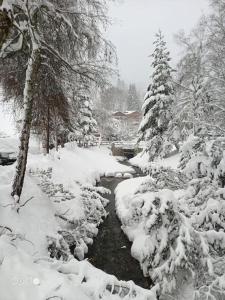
110	251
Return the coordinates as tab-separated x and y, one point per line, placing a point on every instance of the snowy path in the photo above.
111	249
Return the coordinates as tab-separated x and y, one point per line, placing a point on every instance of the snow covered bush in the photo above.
166	177
176	220
76	233
204	158
167	148
192	150
94	213
167	246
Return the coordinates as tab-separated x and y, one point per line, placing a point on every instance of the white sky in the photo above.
135	23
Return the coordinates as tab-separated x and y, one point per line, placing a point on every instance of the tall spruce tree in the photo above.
158	100
85	124
133	102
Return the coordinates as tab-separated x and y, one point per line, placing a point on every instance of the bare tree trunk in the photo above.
48	131
56	140
32	69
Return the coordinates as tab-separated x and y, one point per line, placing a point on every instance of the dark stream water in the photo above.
110	251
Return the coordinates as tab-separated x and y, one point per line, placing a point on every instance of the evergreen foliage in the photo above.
158	100
133	102
85	124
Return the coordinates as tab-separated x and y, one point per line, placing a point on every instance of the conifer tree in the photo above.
86	125
158	100
132	98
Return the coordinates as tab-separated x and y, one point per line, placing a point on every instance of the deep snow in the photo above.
142	161
26	270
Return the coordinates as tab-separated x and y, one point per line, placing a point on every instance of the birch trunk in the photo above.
56	140
32	69
48	131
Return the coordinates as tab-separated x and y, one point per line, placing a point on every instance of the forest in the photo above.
77	219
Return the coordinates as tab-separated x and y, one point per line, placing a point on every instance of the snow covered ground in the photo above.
23	278
142	161
140	214
174	218
62	207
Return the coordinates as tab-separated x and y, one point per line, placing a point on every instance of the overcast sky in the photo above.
135	23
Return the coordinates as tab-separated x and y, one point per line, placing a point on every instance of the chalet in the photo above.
129	121
132	116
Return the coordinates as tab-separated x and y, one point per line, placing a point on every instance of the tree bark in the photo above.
32	69
48	131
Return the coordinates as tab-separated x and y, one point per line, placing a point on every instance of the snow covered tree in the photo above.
84	125
113	97
87	123
133	102
75	47
199	105
158	100
193	108
215	26
106	124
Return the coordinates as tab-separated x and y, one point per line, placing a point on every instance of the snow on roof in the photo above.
118	113
126	113
129	112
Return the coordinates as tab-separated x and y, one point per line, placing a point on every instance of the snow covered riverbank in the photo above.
61	212
175	221
60	184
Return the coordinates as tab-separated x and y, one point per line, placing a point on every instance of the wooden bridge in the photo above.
127	150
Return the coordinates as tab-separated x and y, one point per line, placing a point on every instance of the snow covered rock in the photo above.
119	175
127	175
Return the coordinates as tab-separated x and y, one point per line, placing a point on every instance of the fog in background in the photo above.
135	23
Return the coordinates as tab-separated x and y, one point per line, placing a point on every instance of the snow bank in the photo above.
35	220
175	221
73	163
124	193
22	278
152	222
60	184
61	206
142	161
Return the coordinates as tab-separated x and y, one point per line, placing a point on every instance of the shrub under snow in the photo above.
176	221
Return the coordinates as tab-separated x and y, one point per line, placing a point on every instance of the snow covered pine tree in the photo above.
158	100
133	102
86	124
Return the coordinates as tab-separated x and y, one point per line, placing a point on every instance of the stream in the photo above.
110	251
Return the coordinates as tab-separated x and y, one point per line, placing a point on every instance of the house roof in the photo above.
118	114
